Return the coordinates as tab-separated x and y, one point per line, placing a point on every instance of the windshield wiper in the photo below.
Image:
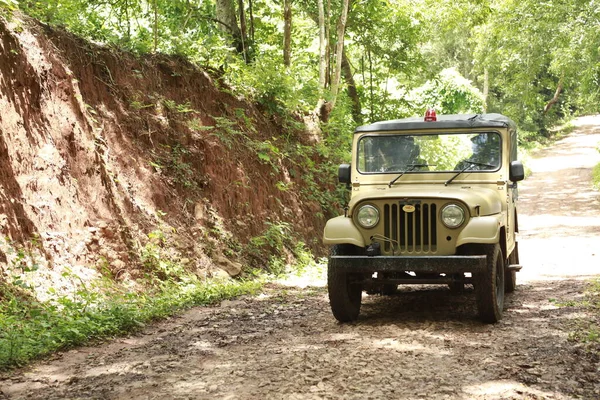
411	167
471	163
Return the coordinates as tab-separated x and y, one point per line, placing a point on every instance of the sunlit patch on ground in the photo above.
314	274
504	389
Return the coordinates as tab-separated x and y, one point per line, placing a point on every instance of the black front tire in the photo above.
489	285
345	289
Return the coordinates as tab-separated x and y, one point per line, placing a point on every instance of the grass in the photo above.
30	329
596	173
102	309
596	177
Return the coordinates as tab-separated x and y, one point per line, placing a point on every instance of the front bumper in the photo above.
424	264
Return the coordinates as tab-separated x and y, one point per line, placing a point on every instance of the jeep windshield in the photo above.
439	152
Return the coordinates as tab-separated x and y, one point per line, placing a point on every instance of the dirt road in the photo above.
422	343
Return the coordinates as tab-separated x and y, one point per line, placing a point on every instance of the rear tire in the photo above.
345	289
489	284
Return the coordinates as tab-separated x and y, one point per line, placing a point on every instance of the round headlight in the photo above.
453	216
368	216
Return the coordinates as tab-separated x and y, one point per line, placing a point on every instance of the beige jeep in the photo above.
433	201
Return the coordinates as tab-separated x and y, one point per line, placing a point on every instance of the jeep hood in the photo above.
487	199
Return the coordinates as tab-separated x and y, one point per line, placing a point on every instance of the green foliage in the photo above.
529	141
22	262
528	53
524	54
596	177
171	161
239	131
384	55
449	93
318	165
275	235
303	257
8	4
33	324
138	105
264	83
267	153
157	257
226	131
278	249
179	108
30	329
183	28
445	151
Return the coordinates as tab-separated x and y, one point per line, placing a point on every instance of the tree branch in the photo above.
554	99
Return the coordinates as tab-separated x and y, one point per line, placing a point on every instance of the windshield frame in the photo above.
499	148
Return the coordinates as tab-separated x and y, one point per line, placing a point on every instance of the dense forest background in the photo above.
351	62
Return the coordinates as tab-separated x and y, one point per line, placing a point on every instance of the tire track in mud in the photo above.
421	343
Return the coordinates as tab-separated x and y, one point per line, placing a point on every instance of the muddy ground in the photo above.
423	342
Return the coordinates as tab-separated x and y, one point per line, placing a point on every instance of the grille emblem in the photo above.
408	208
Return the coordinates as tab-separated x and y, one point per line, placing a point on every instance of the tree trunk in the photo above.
128	21
243	31
352	92
486	88
287	32
227	22
554	100
371	84
251	11
328	44
322	47
341	31
322	62
155	26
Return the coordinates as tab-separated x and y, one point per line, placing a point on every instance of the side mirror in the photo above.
517	172
344	174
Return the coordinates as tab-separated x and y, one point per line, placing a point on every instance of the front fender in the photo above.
481	230
341	230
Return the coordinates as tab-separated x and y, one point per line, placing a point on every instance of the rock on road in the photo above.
423	343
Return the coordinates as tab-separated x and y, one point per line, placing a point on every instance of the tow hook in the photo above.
374	249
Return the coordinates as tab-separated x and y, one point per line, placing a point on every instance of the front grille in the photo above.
412	232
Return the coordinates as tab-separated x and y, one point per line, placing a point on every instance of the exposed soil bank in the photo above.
98	148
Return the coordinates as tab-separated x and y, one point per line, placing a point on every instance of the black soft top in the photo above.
443	122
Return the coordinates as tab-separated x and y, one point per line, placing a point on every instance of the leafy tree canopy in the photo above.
533	61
